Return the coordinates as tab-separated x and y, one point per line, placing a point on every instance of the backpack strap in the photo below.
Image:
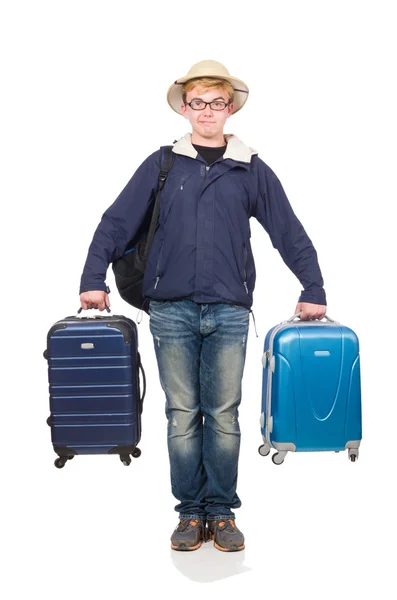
167	158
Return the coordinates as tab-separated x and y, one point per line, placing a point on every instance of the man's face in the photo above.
207	123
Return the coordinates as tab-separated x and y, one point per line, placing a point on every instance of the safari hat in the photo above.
208	68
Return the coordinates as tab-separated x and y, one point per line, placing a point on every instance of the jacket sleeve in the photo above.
275	214
119	224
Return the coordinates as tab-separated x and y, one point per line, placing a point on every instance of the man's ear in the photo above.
230	109
183	111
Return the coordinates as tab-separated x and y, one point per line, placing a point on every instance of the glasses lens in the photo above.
197	104
218	105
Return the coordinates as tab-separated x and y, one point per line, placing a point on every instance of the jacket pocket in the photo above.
159	261
172	195
245	257
159	265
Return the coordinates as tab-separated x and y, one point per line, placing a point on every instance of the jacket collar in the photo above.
236	149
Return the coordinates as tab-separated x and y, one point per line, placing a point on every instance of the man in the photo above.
200	279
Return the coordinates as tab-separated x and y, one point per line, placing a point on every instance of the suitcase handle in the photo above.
143	378
81	308
299	314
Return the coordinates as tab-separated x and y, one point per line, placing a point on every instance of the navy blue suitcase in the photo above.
311	392
93	373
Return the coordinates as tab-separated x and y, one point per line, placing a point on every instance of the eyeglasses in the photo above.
197	104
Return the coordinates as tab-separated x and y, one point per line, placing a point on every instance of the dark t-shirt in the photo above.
210	155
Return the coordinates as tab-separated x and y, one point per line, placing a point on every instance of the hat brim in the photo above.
241	91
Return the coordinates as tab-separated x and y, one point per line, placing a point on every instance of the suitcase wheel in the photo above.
277	459
126	459
60	462
263	450
353	454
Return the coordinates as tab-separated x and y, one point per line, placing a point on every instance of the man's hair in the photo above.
208	83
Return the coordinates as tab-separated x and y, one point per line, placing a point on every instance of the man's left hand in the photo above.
310	311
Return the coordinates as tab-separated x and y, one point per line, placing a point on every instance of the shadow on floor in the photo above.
209	564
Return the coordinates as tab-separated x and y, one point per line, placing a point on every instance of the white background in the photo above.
83	103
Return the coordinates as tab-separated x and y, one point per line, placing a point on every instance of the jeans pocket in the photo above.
158	303
240	307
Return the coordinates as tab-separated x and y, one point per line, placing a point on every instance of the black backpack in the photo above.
129	269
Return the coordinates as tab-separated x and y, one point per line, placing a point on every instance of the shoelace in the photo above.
185	523
227	525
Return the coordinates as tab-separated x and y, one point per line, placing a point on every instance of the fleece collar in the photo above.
236	149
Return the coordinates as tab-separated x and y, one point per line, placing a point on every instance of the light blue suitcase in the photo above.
311	393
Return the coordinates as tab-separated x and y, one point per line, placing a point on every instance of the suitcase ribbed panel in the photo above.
93	385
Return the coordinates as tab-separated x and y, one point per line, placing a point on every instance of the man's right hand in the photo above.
94	299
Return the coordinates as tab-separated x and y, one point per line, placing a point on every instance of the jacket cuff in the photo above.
313	296
89	287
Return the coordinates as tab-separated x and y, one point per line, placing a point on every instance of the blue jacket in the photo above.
202	248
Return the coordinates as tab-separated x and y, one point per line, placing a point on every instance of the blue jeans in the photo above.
200	350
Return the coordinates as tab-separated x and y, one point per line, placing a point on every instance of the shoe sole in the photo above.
184	547
223	549
236	549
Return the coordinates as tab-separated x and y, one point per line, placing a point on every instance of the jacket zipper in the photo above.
207	168
161	249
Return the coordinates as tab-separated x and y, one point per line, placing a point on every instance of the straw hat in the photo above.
208	68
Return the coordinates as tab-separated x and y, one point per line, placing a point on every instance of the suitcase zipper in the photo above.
270	367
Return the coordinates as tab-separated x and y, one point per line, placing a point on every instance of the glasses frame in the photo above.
208	104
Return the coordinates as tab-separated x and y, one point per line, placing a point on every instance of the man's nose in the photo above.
208	111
